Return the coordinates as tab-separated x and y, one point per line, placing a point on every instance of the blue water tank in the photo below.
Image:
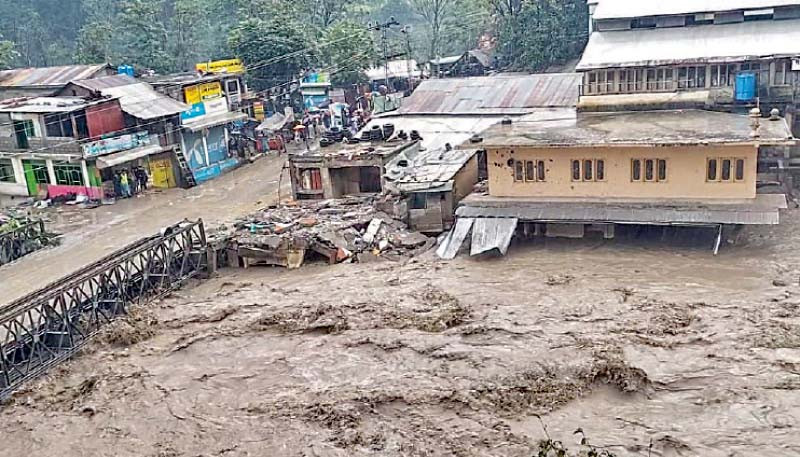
745	87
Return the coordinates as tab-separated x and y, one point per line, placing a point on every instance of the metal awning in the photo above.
214	120
118	158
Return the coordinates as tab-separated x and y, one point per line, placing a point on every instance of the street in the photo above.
90	234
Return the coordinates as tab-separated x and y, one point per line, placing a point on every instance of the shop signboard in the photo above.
202	92
115	144
197	110
234	66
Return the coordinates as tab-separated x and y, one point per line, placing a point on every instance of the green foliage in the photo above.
346	49
534	34
7	53
273	49
94	43
144	35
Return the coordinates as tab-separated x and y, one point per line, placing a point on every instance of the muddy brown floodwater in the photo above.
649	347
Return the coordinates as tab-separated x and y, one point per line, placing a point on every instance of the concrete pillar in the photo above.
51	171
19	171
205	149
327	184
85	172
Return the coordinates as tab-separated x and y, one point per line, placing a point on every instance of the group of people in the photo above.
130	182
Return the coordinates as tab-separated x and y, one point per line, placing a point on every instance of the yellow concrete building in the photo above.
595	171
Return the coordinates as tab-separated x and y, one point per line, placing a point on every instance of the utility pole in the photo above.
406	30
384	29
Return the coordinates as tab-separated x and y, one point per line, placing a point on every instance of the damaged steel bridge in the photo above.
46	327
21	241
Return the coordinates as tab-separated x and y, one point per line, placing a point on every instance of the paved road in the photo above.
90	234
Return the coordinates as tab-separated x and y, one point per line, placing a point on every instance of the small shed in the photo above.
433	182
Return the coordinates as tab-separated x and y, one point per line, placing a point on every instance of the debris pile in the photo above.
349	229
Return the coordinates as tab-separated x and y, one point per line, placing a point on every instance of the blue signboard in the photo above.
197	110
217	146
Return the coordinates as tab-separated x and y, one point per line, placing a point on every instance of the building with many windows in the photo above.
597	171
711	54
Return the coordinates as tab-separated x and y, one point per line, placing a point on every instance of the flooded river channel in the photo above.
650	347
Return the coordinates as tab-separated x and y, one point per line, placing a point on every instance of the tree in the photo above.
435	13
274	50
535	34
143	35
347	49
94	43
7	54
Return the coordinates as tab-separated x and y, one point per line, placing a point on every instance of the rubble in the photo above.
349	229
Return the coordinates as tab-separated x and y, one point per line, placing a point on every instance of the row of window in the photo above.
67	174
660	79
648	170
642	170
529	171
725	169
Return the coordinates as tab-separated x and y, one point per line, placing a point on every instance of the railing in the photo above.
45	328
21	241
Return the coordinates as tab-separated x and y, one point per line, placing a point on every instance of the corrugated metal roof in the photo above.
613	9
416	171
501	94
48	76
44	105
698	44
763	210
105	82
136	98
646	128
143	102
489	234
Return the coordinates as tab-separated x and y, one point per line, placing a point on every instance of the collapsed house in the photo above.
340	170
596	171
349	229
432	183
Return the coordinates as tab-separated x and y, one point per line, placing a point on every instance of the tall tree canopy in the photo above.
172	35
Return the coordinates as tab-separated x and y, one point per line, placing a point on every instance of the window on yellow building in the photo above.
576	170
519	171
711	170
600	170
540	170
587	170
636	170
649	170
740	169
530	171
726	170
662	170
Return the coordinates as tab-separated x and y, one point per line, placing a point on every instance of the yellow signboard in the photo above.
258	111
221	66
202	92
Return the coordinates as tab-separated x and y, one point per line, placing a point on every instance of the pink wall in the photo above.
53	191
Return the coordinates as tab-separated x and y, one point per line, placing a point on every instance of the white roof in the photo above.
397	69
613	9
142	101
700	44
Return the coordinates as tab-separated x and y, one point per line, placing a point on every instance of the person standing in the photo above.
143	177
123	181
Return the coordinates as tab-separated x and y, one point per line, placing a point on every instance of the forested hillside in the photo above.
171	35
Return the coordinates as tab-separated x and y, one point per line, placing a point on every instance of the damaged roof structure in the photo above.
136	98
451	111
649	129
